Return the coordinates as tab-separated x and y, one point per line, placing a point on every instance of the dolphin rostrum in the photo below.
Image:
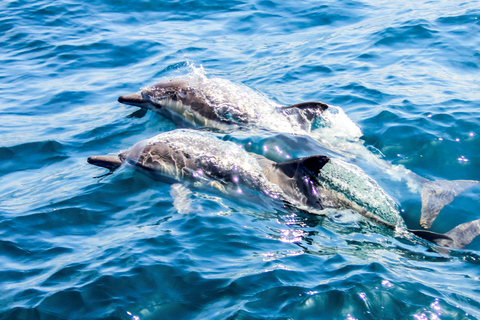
315	182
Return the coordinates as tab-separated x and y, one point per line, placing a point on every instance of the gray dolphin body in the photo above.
315	182
190	106
197	157
179	102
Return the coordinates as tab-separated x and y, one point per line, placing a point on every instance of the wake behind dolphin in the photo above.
314	182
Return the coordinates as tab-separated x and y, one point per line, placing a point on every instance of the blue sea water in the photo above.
74	245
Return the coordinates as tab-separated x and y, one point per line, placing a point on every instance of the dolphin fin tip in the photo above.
457	238
311	163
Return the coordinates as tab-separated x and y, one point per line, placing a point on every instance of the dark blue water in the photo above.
125	246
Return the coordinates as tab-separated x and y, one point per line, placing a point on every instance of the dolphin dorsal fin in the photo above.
313	165
306	110
308	105
437	194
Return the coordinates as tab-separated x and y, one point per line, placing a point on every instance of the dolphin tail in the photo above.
109	162
457	238
437	194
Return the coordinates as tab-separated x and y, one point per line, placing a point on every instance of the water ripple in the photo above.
75	245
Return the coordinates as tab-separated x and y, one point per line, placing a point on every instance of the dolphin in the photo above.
312	183
190	105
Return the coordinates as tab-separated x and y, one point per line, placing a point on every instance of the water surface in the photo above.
75	246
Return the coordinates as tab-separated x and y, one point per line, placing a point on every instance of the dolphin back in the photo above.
360	189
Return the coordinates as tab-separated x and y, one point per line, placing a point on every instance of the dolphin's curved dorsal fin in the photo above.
308	105
312	164
296	178
306	110
437	194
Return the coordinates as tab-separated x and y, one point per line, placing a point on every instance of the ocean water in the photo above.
75	244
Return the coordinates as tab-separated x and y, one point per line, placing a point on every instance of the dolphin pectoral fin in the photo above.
308	105
181	196
217	185
457	238
437	194
140	113
109	162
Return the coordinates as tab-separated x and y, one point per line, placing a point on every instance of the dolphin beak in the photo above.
109	162
135	99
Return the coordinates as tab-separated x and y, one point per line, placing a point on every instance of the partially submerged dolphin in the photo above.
188	105
315	182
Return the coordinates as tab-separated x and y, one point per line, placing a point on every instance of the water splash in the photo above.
243	105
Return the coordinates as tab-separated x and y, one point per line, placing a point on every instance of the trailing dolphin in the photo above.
315	182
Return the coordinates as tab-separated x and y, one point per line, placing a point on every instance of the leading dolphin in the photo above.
191	105
315	182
